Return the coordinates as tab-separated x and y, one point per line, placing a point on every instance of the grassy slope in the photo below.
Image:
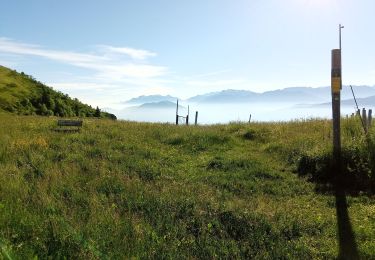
16	87
122	189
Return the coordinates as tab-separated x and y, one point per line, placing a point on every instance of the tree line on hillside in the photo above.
48	102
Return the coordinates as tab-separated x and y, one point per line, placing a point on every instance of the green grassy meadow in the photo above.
122	189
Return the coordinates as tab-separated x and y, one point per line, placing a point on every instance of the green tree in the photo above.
44	110
97	112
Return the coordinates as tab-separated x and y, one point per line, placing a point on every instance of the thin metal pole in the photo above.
340	27
358	113
355	100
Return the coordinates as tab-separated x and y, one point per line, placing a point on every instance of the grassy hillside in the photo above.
22	94
123	189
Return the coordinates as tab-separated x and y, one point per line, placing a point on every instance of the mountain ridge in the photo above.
307	95
150	99
362	102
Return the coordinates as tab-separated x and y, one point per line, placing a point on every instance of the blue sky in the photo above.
105	52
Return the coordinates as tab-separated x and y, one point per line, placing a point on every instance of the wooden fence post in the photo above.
177	113
364	119
196	117
369	119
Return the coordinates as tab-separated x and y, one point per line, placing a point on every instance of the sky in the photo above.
106	52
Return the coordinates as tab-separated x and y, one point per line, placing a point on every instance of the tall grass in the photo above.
126	189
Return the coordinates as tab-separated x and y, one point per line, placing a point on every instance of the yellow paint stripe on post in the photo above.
335	84
336	71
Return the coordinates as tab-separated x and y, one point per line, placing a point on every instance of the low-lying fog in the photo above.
225	113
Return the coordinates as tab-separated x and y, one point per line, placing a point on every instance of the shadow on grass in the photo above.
347	244
338	182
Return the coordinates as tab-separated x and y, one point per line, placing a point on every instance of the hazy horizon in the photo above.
226	113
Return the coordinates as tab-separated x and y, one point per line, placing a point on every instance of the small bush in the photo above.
260	134
355	174
249	134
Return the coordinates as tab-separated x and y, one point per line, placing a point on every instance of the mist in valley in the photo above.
225	113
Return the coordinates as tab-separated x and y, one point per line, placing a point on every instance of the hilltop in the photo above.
22	94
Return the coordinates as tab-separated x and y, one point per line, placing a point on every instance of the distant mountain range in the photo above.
305	95
155	105
225	96
150	99
296	95
362	102
229	105
161	104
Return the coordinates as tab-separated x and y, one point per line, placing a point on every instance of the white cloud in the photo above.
13	47
106	66
117	73
80	86
136	54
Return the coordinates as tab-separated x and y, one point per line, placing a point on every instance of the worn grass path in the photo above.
125	189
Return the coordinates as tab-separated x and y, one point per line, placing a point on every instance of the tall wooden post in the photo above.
196	117
335	88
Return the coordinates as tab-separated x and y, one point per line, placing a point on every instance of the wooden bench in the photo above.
69	125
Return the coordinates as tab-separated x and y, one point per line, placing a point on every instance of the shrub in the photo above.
356	173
